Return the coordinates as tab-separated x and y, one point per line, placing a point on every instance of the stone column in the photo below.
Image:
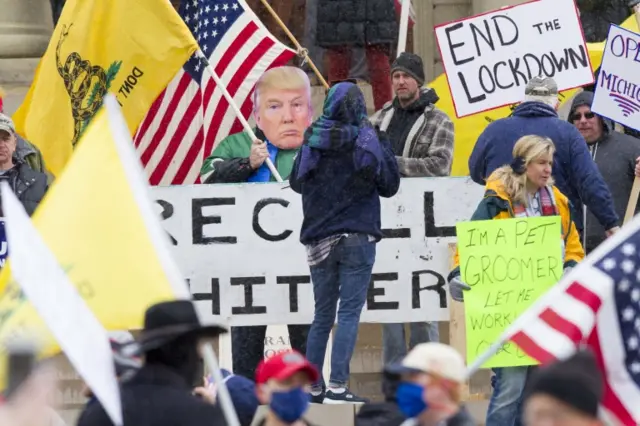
25	28
424	36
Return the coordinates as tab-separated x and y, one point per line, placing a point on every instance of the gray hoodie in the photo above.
615	155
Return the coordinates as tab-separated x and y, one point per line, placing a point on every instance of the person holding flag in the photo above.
282	109
523	188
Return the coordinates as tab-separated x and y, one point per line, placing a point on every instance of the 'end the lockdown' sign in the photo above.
617	93
508	264
489	58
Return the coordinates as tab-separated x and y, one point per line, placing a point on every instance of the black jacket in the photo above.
356	22
28	185
156	396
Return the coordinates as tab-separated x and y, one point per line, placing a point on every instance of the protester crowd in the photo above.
532	164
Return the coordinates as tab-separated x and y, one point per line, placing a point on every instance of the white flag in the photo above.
45	284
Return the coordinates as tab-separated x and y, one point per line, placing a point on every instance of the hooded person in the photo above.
342	170
160	393
565	393
614	153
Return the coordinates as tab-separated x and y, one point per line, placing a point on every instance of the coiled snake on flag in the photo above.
80	77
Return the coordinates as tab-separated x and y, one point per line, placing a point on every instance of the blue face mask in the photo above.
289	406
409	398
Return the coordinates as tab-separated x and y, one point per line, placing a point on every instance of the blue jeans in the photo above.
394	339
505	407
345	275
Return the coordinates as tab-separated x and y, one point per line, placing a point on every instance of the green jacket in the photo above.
229	162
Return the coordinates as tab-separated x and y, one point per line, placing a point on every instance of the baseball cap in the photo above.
6	123
284	365
433	358
541	86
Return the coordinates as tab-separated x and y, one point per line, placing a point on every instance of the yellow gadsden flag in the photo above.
468	129
98	221
131	48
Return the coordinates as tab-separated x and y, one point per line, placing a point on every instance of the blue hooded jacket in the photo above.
575	173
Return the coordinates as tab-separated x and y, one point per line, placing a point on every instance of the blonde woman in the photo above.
522	189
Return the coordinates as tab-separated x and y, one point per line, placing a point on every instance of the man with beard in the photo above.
422	139
160	394
282	110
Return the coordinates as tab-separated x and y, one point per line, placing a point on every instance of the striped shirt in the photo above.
319	251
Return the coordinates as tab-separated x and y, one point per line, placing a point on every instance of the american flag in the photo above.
191	116
597	306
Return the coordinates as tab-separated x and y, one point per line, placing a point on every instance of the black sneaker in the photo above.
317	399
345	397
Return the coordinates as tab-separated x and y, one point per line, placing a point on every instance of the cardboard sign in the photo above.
489	58
238	246
617	93
508	264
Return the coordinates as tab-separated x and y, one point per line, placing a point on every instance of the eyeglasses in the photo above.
577	116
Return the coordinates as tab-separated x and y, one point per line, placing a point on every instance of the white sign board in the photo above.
617	93
239	248
489	58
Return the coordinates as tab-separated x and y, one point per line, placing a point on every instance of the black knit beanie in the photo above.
411	64
576	382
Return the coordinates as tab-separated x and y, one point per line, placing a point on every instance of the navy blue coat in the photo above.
575	173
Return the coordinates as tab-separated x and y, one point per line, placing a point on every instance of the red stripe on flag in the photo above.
166	119
189	159
586	296
561	324
232	87
176	140
245	35
148	119
531	348
610	400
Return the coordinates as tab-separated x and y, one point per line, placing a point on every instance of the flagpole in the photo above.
482	359
247	128
224	397
301	50
404	26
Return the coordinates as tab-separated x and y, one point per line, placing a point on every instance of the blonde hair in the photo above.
529	148
282	78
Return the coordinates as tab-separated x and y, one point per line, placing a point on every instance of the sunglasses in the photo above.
577	116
